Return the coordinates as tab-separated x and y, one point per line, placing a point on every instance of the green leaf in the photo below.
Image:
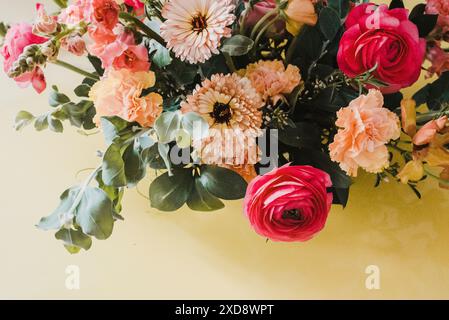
112	126
163	150
113	167
169	193
82	90
23	118
166	126
94	213
223	183
434	94
135	168
55	125
195	125
237	45
74	240
152	157
61	214
329	22
41	122
56	98
303	134
182	72
96	63
161	55
202	200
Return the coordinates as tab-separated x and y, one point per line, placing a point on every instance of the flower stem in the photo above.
262	21
150	33
229	62
262	32
76	69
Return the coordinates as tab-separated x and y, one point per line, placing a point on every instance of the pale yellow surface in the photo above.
195	255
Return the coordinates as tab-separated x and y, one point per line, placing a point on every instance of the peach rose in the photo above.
365	129
299	13
119	94
271	79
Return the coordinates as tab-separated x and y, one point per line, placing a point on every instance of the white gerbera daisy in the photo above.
194	28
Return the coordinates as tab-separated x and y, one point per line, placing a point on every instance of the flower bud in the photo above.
45	24
408	116
74	44
412	171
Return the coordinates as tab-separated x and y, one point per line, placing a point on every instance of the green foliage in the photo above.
223	183
160	55
237	45
201	199
113	167
74	240
435	94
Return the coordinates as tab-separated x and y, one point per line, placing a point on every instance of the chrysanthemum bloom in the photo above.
271	79
119	94
365	129
193	28
227	102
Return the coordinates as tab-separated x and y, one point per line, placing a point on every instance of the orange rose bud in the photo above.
408	115
413	171
298	13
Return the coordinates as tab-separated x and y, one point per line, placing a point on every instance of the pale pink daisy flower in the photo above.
232	107
193	28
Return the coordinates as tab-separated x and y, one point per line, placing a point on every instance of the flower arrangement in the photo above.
279	102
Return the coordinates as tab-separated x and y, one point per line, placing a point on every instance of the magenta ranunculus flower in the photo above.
290	203
136	4
18	37
377	36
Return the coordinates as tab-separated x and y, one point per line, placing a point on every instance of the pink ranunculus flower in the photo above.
17	38
290	203
441	8
259	10
365	129
386	40
122	53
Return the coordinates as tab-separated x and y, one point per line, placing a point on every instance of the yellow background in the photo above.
201	255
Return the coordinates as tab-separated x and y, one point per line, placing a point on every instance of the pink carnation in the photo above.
365	128
18	37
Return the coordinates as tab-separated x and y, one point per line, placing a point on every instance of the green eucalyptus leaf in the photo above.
82	90
94	214
164	150
23	118
329	22
195	125
135	168
166	126
55	125
56	98
161	55
237	45
202	200
61	215
74	239
223	183
41	122
113	167
111	127
169	193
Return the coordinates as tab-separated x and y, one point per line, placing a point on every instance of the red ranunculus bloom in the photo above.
377	36
290	203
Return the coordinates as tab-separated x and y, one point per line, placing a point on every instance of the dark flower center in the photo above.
221	113
199	23
293	214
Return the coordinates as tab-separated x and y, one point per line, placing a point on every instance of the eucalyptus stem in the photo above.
262	21
229	62
76	69
150	33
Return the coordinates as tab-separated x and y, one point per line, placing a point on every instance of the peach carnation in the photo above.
193	29
365	129
271	79
227	102
119	94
